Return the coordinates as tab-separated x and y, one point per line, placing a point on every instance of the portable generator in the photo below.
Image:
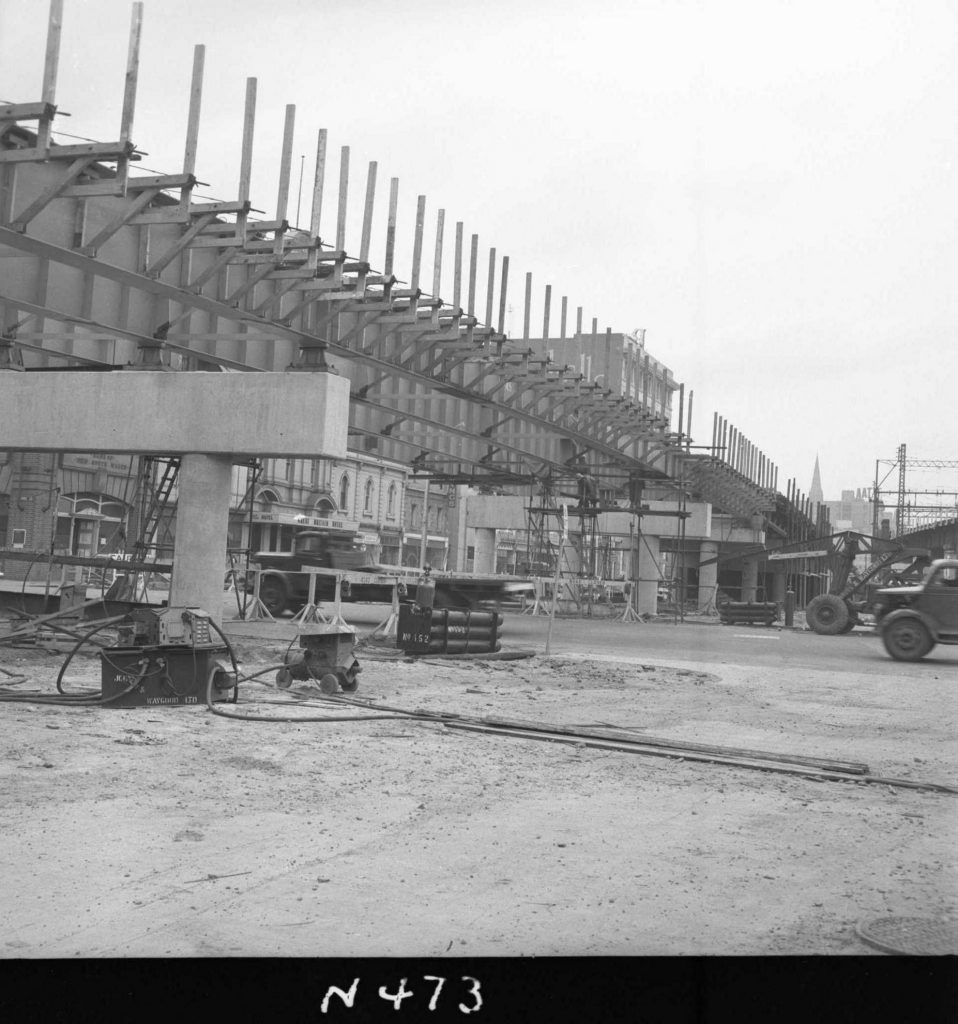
326	655
166	657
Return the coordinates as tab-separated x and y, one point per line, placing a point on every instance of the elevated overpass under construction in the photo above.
130	278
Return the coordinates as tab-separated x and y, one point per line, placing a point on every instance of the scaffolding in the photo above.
590	566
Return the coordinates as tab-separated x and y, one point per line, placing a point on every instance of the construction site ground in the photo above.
178	833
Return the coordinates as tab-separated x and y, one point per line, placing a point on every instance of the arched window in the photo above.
368	497
266	498
414	516
391	500
344	493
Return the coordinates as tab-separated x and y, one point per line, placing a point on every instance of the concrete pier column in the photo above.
648	587
485	556
708	576
750	581
202	520
778	587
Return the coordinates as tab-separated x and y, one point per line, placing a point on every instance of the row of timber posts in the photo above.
295	264
319	278
311	612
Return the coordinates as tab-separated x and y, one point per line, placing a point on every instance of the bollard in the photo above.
789	609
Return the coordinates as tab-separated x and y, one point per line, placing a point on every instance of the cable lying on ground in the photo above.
616	739
602	738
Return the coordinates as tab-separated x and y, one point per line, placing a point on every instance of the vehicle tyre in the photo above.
907	639
827	614
347	684
272	592
850	625
329	683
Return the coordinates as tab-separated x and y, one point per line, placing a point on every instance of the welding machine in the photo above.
165	657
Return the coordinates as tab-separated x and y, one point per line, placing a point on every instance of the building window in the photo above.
391	500
415	518
368	498
267	498
344	493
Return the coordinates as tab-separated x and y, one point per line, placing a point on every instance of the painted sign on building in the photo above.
307	522
119	464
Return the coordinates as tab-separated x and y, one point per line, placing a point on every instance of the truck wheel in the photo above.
272	592
827	614
907	639
850	625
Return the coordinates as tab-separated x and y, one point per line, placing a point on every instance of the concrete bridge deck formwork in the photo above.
107	270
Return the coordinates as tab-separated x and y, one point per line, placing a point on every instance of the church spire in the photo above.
815	491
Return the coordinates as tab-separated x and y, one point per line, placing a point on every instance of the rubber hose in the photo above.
79	644
232	654
477	655
282	718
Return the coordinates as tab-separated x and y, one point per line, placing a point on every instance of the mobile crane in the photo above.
839	610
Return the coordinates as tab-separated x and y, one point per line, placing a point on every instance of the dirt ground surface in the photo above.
174	832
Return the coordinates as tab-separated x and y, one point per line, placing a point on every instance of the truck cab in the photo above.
912	619
328	550
284	584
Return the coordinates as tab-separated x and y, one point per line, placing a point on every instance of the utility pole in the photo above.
900	512
875	503
425	523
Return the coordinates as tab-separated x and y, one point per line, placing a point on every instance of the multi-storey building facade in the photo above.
358	492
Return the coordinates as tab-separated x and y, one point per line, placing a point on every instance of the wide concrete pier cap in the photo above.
242	415
210	420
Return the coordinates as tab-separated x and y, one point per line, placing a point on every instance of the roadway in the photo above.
699	641
715	644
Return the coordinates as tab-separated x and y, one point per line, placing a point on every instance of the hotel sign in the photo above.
119	464
306	522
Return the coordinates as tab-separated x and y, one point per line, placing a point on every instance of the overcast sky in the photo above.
767	187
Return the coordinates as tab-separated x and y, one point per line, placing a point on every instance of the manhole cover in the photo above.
912	936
